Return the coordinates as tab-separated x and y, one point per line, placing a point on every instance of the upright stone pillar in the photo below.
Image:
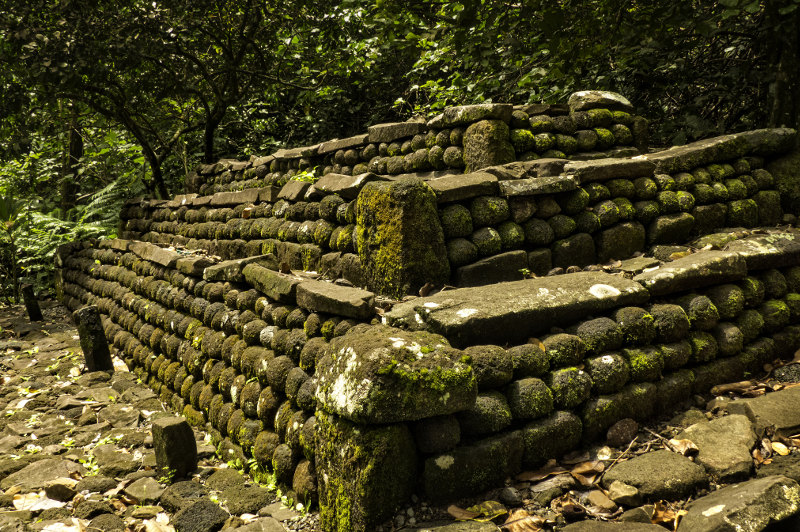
93	340
31	304
399	237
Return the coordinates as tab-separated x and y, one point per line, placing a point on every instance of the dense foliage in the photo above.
103	100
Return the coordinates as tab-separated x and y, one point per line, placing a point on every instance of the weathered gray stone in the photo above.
144	490
780	410
486	143
346	186
585	100
200	516
153	253
466	114
294	190
601	526
605	169
94	345
378	374
330	298
242	197
705	268
751	506
231	270
537	185
394	130
463	186
38	474
343	144
174	445
481	315
399	237
700	153
724	444
278	286
659	475
495	269
546	167
193	265
365	473
776	250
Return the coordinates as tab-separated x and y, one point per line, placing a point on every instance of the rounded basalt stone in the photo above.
622	188
776	315
234	424
564	350
461	251
249	398
704	347
283	463
282	417
454	157
456	221
729	338
437	434
222	418
529	398
226	379
676	354
607	212
328	207
587	222
294	380
646	211
528	360
491	364
626	208
489	413
252	357
637	325
610	372
538	232
247	300
293	429
306	395
703	314
290	343
237	387
522	140
487	241
597	192
753	290
308	438
251	331
547	207
264	447
312	351
671	322
600	335
751	323
775	285
646	363
570	387
248	431
278	370
562	225
792	276
728	299
792	301
488	210
268	403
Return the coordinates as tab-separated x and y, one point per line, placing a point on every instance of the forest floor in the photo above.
76	454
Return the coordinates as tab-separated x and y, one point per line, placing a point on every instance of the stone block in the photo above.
346	186
378	374
231	270
275	285
486	143
545	167
294	190
462	115
321	296
585	100
495	269
776	250
780	410
463	186
606	169
393	131
153	253
174	445
193	265
537	185
94	345
343	144
705	268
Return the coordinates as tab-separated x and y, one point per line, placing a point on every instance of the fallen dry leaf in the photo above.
488	510
684	447
758	456
734	387
537	342
664	514
460	514
576	457
780	448
549	470
521	521
587	473
679	255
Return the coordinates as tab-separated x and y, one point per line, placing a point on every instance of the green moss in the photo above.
600	117
664	182
605	138
573	202
487	241
621	188
566	143
597	192
646	363
753	290
637	325
728	299
456	221
488	210
622	135
704	347
646	211
645	188
461	251
541	123
511	235
562	225
607	212
544	142
538	232
529	398
587	139
742	213
570	387
586	222
776	315
626	209
522	140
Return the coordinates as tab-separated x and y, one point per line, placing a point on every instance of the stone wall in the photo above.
237	303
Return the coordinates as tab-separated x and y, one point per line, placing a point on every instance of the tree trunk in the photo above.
69	177
212	123
783	51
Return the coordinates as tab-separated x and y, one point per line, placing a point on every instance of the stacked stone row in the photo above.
539	400
220	353
316	227
611	219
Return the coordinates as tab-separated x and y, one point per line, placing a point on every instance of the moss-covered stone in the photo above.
400	241
673	390
529	398
540	261
717	372
522	140
619	241
622	135
538	232
472	468
605	139
742	213
626	208
607	212
528	360
365	473
622	188
511	234
564	350
546	207
566	144
646	211
550	438
646	363
703	314
487	241
753	290
671	229
488	211
586	222
491	365
792	301
599	413
637	325
570	387
573	202
377	374
728	299
685	201
776	315
775	285
461	251
600	335
704	347
454	157
587	139
769	207
645	188
730	340
486	143
597	192
609	372
671	322
576	250
562	225
541	123
490	413
456	221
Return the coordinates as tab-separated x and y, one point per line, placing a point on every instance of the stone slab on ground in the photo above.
724	444
465	526
779	409
750	506
38	474
599	526
705	268
659	475
483	315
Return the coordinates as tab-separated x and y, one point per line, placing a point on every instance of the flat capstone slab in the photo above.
331	298
611	526
659	475
346	186
538	185
705	268
231	270
779	409
605	169
514	311
463	186
751	505
777	250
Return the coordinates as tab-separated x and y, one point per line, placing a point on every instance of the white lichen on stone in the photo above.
714	510
466	312
444	461
601	291
431	304
607	359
